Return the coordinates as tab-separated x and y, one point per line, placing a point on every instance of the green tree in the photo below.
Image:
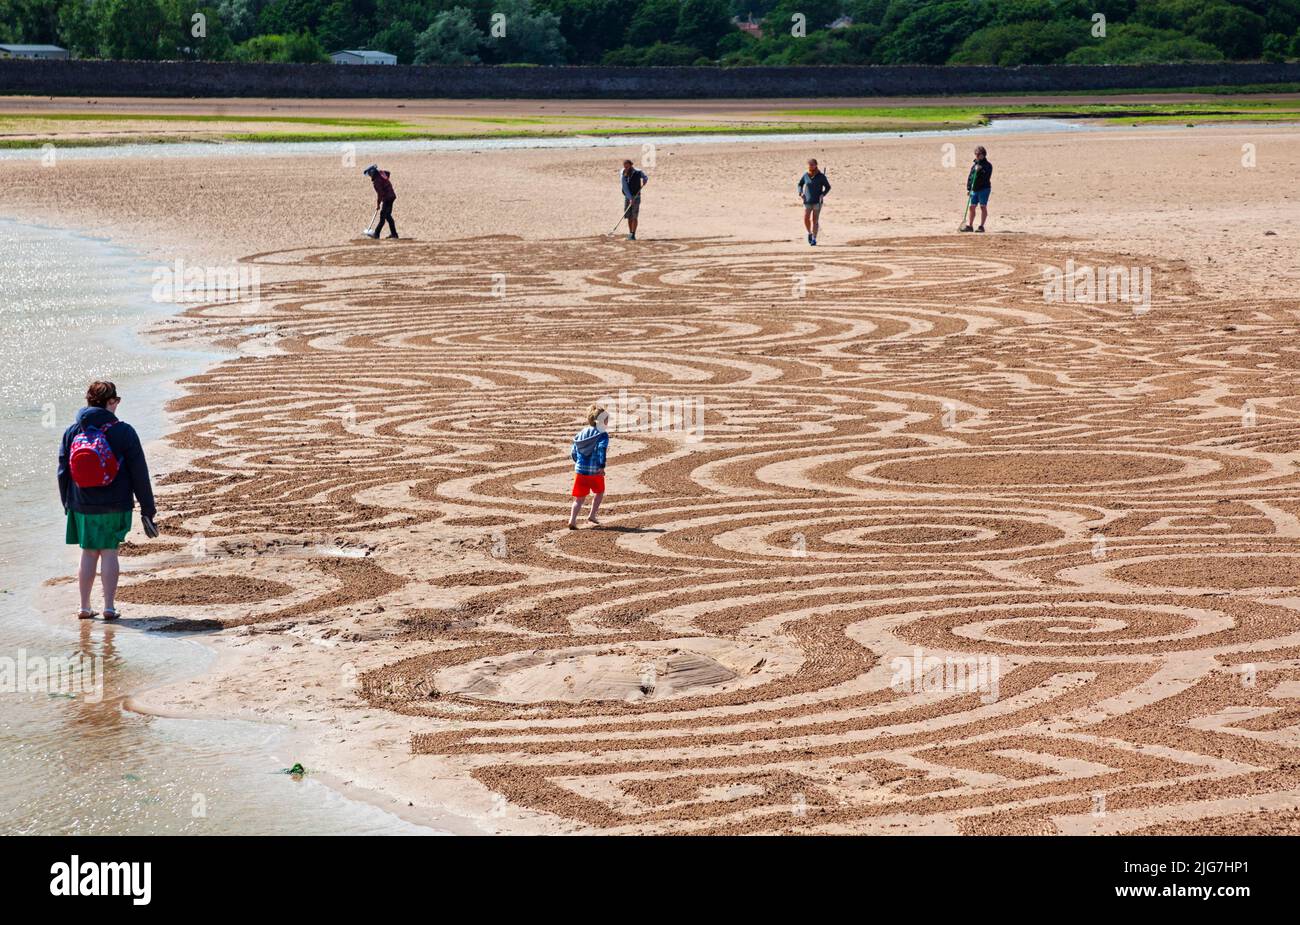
863	39
1039	11
344	24
522	35
132	29
452	38
817	14
205	38
1280	15
419	13
627	56
282	17
1276	47
1238	33
931	33
866	12
590	27
34	21
755	8
656	21
736	42
822	48
1137	44
239	17
701	23
300	48
79	29
397	39
1017	43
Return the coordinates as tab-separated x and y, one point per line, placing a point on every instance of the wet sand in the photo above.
905	447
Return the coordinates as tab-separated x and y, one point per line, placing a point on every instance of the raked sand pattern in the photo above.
883	451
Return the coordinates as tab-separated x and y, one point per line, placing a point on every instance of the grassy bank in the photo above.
89	129
1217	111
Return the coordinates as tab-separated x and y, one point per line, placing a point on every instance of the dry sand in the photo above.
904	448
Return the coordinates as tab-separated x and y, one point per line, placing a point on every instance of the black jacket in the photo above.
132	477
980	174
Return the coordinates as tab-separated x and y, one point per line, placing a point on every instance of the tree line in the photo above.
668	32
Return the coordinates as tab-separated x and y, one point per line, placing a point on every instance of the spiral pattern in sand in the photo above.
924	552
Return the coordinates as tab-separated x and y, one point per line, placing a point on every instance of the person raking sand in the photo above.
384	199
632	181
813	187
978	186
588	454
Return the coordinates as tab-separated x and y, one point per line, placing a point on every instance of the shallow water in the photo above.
76	762
366	148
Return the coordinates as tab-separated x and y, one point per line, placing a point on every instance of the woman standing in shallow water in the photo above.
102	472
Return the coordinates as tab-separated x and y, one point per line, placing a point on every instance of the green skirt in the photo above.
98	531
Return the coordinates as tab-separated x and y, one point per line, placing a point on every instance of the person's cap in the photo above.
371	169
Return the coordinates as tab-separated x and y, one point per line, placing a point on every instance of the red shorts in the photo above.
585	484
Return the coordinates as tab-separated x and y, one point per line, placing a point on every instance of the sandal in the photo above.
85	614
111	613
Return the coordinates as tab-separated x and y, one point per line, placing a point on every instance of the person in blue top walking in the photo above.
813	187
632	181
102	473
588	454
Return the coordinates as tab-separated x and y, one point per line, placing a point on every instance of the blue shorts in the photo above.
980	197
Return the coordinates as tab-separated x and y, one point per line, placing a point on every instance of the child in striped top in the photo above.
588	454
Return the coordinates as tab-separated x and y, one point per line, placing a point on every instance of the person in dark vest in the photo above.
632	181
102	473
384	199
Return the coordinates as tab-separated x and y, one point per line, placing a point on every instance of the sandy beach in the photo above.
896	447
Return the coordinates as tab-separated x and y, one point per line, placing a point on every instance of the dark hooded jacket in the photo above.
981	173
383	186
132	482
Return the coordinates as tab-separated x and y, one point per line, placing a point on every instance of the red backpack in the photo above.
91	460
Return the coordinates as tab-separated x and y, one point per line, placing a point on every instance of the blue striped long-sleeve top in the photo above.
589	447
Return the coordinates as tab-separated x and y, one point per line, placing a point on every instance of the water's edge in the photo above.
167	149
176	650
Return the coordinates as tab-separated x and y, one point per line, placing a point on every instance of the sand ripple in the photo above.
902	452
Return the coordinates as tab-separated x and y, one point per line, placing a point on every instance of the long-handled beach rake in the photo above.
372	231
630	203
965	211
